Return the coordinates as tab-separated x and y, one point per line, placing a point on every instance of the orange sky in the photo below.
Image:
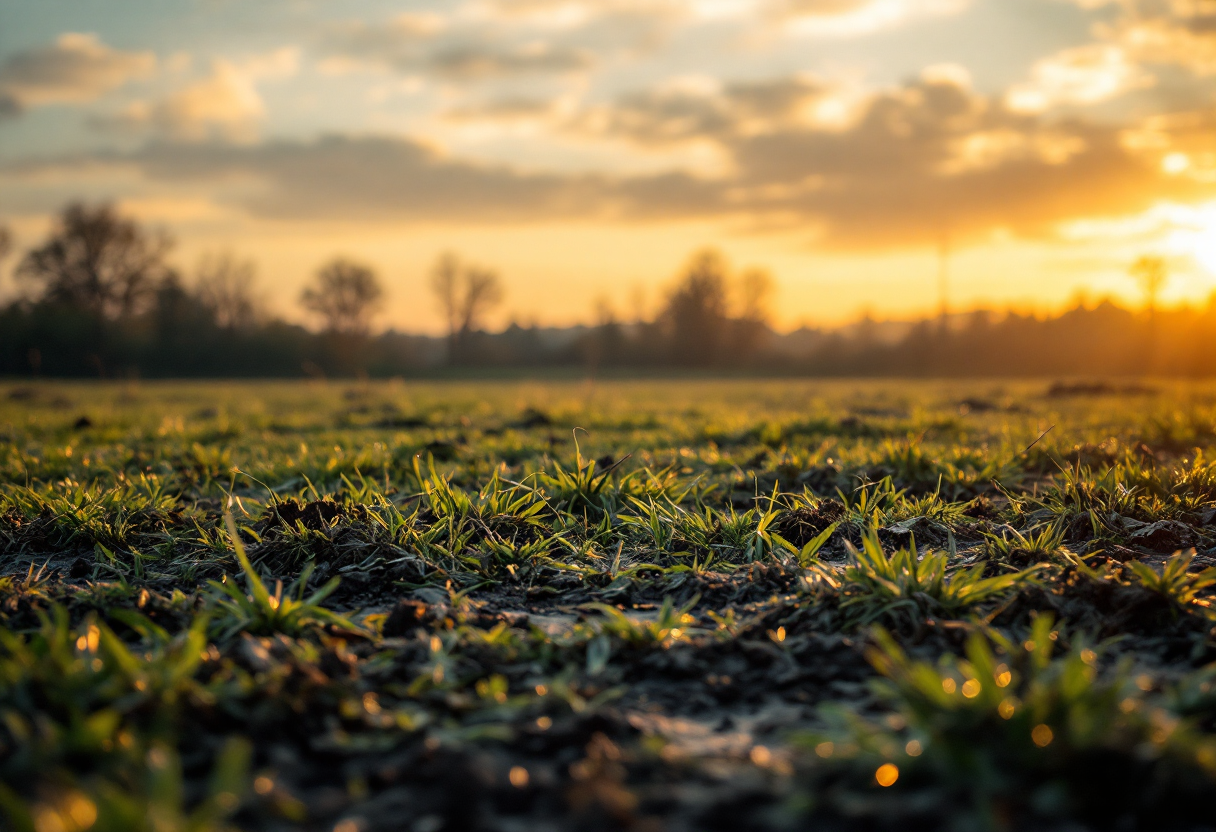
584	149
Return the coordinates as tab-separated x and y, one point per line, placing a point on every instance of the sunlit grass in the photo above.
209	588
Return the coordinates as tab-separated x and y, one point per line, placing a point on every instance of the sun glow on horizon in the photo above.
1200	240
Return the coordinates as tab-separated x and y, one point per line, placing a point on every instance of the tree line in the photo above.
100	298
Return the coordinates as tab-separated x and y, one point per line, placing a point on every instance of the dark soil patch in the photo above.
315	516
1065	389
803	525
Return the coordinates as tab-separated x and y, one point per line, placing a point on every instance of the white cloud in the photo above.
986	149
283	62
1082	75
1189	42
955	74
851	18
224	105
1176	32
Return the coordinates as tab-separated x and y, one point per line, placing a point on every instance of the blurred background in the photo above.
828	187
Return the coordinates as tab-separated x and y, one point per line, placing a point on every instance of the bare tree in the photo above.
604	343
445	283
482	292
6	242
755	294
1151	273
696	311
98	261
345	295
224	285
755	288
465	294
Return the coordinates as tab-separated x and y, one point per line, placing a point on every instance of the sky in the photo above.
585	148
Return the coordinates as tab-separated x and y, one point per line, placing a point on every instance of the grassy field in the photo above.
662	605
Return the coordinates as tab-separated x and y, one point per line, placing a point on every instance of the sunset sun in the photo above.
1204	242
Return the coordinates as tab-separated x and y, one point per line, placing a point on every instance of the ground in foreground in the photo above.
684	605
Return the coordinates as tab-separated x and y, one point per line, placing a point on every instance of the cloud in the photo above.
1183	142
606	24
1171	32
75	68
1079	76
275	65
508	110
796	9
932	155
917	158
907	163
378	178
1189	42
432	45
503	39
472	62
848	18
698	108
486	41
661	16
224	105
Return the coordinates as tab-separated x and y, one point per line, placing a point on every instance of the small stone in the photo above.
1128	524
922	529
255	653
407	615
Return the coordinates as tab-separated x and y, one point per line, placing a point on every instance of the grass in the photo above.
909	588
651	605
259	612
1009	728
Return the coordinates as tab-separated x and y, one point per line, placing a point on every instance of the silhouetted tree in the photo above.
445	283
696	309
345	295
183	327
866	329
6	242
97	262
752	323
1151	273
756	292
465	293
224	285
605	343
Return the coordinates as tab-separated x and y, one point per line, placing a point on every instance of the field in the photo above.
663	605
